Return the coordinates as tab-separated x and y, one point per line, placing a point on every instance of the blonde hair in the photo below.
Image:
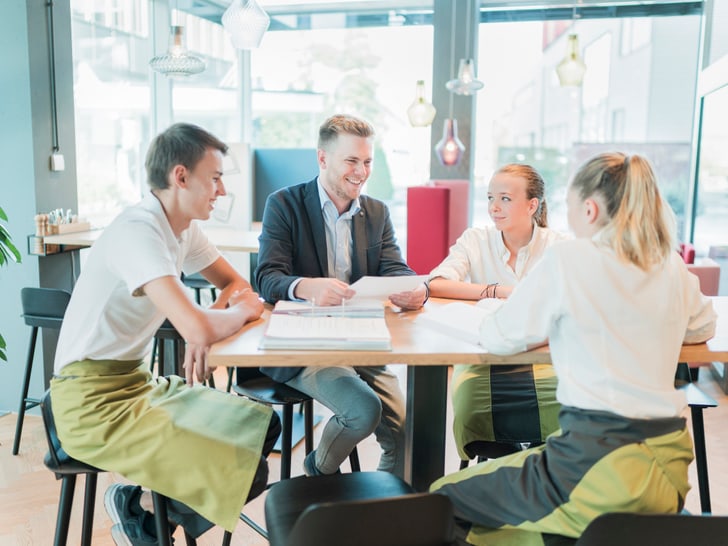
342	124
535	188
638	227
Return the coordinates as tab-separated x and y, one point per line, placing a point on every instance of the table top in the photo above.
417	344
228	239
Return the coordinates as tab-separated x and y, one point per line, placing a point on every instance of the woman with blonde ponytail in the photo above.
496	409
615	304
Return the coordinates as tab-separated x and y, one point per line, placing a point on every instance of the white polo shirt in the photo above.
108	317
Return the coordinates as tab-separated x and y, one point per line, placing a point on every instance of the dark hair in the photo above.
639	219
181	144
340	123
535	188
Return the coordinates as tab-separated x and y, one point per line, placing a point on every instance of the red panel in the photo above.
428	210
458	213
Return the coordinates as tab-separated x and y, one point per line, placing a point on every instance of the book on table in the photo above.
327	328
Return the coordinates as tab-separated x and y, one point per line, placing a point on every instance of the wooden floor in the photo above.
29	492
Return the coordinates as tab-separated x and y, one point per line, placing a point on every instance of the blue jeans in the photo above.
364	399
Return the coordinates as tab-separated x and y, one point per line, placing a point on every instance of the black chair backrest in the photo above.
44	307
627	529
419	519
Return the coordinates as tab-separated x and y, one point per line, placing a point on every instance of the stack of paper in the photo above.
356	307
303	329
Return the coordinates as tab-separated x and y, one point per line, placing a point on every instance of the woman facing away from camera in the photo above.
616	304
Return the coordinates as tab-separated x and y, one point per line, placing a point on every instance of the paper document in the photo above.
382	287
458	319
356	307
286	331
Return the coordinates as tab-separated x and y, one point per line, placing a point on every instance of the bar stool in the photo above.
67	468
42	308
198	283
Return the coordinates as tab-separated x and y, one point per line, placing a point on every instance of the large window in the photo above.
623	104
111	49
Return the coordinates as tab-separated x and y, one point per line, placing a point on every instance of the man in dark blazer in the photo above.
317	238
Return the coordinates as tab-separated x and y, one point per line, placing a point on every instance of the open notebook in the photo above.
306	329
458	319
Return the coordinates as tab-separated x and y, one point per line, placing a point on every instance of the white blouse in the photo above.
615	331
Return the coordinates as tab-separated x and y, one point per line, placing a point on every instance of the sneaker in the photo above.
310	468
127	515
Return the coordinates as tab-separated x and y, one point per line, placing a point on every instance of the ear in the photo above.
321	155
532	206
592	210
178	176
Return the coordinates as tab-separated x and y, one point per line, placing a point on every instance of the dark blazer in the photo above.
293	244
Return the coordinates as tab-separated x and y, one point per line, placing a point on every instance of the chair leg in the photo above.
68	484
286	441
227	538
89	501
161	357
229	386
354	460
161	520
701	458
154	354
464	464
24	393
308	424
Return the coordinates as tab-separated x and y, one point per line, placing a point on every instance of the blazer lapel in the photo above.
359	237
315	216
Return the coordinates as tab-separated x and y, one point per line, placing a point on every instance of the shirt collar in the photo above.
324	198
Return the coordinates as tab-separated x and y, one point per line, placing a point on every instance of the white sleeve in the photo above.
457	265
527	316
199	251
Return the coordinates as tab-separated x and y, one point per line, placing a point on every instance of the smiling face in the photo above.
203	184
344	167
508	204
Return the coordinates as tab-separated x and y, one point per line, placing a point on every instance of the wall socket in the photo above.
57	161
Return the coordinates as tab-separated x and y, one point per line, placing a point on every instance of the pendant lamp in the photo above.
572	68
450	149
420	112
177	62
246	22
466	83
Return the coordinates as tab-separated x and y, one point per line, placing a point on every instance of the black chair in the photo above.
42	308
198	283
254	385
663	529
166	335
66	468
356	509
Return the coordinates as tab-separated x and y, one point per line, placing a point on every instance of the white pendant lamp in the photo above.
572	68
177	62
420	112
246	22
466	83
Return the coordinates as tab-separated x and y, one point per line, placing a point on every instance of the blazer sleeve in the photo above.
384	256
274	272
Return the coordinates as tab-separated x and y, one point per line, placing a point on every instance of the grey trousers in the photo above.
364	400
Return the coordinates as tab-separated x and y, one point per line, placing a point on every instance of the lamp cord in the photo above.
52	58
452	51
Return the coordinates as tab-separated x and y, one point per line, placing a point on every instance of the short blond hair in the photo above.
342	124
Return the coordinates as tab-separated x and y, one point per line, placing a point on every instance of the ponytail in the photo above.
638	227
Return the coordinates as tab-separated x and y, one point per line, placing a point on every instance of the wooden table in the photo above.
427	354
